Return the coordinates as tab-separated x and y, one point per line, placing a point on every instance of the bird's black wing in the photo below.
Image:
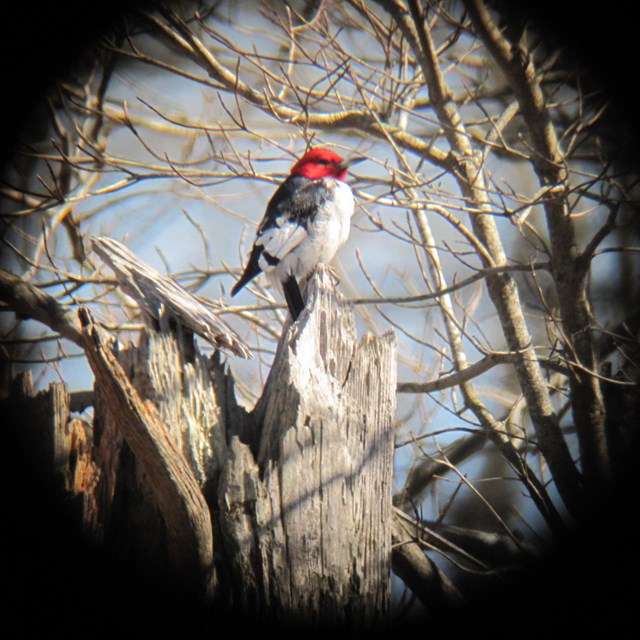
296	201
251	270
284	225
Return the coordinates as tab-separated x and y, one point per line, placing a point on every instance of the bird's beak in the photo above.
345	164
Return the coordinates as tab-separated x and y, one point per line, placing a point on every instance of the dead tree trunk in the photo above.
306	504
297	492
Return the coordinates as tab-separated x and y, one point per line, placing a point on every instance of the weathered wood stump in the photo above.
297	492
306	507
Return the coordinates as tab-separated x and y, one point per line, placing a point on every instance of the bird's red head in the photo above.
322	163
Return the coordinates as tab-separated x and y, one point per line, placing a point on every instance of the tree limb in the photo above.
418	571
29	302
567	264
494	548
459	377
421	474
501	286
360	120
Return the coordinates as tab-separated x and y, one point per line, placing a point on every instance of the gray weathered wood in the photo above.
297	492
306	521
159	296
170	479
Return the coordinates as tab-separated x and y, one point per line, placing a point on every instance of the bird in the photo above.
305	223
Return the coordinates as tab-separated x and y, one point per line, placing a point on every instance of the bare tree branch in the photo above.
567	266
502	289
29	302
423	473
419	572
457	378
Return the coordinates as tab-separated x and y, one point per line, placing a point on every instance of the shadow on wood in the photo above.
306	505
297	492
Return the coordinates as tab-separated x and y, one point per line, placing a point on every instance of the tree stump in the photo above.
306	506
297	493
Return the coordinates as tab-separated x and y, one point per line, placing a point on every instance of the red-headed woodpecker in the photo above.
306	222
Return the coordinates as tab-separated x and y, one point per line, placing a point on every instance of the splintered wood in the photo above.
310	515
296	493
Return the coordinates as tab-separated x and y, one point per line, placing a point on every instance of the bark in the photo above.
298	492
306	505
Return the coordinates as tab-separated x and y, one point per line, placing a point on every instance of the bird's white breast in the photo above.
324	235
330	228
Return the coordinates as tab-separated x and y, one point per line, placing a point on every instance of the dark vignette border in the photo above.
52	582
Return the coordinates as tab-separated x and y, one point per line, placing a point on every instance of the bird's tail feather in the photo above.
293	296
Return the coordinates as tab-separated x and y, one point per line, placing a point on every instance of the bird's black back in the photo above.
295	201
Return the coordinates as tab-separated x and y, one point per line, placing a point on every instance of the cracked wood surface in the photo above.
307	521
170	478
298	491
